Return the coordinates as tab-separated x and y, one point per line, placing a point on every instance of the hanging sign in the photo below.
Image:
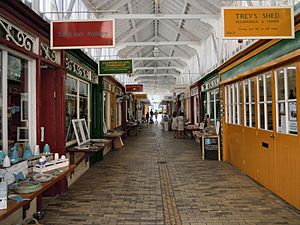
140	96
114	67
82	34
134	87
258	22
180	88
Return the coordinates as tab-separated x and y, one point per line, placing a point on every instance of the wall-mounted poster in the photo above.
292	111
293	117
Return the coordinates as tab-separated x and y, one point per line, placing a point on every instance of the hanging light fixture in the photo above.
156	52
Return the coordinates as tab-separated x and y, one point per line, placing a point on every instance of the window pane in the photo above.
71	113
240	111
212	114
17	100
83	89
281	118
270	116
241	91
280	84
292	109
247	116
83	109
253	115
269	87
246	91
291	80
261	88
262	116
252	90
71	86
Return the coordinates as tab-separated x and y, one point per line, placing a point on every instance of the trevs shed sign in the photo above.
82	34
258	22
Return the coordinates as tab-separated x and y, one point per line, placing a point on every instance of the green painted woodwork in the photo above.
212	74
280	49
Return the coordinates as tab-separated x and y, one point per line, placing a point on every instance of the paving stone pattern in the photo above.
156	179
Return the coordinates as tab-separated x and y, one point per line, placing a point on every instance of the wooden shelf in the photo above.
13	206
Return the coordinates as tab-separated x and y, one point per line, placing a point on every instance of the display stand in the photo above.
13	206
211	147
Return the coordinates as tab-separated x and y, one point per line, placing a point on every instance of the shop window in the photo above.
249	103
213	105
285	84
77	99
233	103
264	102
17	124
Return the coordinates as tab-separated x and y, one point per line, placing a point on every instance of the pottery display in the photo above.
27	153
14	156
6	161
46	149
2	155
37	150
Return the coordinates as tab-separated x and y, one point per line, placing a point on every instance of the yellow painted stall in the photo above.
260	121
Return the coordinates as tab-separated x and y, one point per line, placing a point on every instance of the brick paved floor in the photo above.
156	179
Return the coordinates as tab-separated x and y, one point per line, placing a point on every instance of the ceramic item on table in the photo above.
56	156
42	161
2	155
37	150
63	157
14	156
46	149
6	161
27	153
42	177
27	187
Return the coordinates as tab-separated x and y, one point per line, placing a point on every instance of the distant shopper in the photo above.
174	124
207	121
180	127
155	114
147	117
151	113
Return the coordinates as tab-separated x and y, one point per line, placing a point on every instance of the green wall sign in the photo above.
113	67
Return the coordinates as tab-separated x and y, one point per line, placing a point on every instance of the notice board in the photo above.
211	147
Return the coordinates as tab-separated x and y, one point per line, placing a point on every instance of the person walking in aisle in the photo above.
151	113
155	114
174	123
180	127
147	117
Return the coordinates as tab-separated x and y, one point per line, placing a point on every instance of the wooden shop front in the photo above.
261	122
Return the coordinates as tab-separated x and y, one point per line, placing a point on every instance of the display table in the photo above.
116	138
13	206
190	130
86	150
211	147
132	126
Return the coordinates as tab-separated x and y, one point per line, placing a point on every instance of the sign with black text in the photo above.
258	22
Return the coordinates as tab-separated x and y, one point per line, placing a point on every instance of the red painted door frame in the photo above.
52	108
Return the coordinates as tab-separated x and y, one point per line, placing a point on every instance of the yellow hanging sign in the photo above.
258	23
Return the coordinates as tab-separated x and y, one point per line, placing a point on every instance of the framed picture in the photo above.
24	107
81	131
22	134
